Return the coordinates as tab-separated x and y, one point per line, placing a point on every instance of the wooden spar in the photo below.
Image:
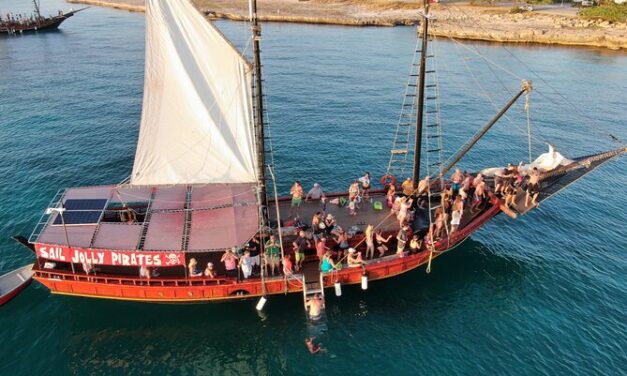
262	199
460	154
421	94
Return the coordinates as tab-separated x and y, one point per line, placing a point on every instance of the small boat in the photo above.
14	282
15	23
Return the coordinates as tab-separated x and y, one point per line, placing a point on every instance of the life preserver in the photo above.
388	180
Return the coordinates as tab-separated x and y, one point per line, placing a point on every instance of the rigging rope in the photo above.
575	108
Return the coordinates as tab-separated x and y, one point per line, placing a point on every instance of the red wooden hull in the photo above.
180	290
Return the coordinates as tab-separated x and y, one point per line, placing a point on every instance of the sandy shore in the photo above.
495	24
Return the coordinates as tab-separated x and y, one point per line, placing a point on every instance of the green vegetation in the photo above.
608	12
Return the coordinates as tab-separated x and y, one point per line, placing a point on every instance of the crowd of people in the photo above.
465	194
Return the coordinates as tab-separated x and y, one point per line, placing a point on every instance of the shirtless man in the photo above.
456	179
423	191
533	187
297	199
314	307
480	194
353	191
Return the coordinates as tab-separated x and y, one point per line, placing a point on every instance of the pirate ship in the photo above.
11	24
200	177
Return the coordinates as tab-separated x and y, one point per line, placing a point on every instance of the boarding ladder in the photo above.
311	288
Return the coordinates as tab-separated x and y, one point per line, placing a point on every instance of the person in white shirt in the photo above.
365	185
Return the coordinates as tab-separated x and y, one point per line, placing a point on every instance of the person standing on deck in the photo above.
408	187
480	195
230	263
424	187
533	187
300	245
254	248
316	193
365	185
381	242
245	263
456	180
272	251
391	195
321	248
369	237
297	199
403	210
401	239
353	190
317	230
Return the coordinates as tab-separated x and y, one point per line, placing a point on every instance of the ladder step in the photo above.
313	291
434	136
431	85
399	151
432	97
432	125
434	164
430	71
433	150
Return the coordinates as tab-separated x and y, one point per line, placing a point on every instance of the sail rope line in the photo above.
528	112
540	92
485	94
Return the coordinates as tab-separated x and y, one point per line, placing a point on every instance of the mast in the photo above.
259	131
37	11
421	93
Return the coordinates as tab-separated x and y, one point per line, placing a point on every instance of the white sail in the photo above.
196	125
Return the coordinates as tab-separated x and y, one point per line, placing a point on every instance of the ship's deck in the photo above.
172	218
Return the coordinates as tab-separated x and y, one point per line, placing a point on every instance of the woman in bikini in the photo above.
381	242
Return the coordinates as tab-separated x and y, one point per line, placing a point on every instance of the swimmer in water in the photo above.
313	347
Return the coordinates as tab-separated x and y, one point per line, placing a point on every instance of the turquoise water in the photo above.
544	294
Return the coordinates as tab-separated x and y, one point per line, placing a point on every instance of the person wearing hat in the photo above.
354	258
315	193
210	271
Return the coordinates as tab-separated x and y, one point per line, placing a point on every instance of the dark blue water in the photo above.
544	294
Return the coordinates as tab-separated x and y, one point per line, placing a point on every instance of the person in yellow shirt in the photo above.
408	187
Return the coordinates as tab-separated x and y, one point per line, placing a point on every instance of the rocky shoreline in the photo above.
492	24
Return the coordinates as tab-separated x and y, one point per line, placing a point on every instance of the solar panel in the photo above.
85	204
81	217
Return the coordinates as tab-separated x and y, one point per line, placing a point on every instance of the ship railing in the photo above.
43	220
132	281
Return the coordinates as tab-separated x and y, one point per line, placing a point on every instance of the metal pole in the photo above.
460	154
67	238
259	131
421	93
278	220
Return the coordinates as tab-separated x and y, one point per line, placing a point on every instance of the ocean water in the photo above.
543	294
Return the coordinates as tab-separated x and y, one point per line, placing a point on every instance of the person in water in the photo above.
314	307
312	347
